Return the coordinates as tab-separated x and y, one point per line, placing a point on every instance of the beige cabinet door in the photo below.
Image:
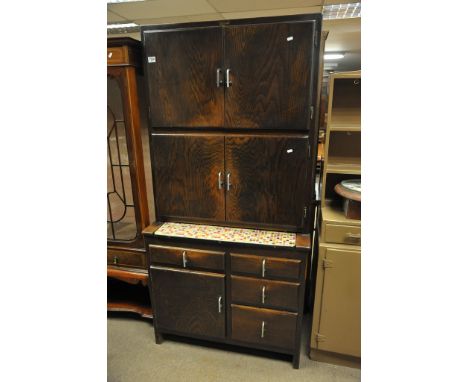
340	318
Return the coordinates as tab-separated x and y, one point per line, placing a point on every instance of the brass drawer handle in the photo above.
262	335
115	260
263	294
184	259
263	267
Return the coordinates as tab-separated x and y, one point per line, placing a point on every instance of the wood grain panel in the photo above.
185	176
287	269
279	327
270	68
195	259
265	293
182	81
187	301
268	177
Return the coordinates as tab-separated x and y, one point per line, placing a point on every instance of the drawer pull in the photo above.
220	181
184	259
115	260
263	295
220	304
353	236
228	181
263	330
263	267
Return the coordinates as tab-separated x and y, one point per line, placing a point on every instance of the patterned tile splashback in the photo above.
228	234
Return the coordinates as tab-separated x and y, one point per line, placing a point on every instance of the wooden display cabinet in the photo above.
127	205
336	322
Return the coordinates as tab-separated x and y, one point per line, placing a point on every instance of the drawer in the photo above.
126	258
116	55
342	234
263	326
265	267
186	257
265	293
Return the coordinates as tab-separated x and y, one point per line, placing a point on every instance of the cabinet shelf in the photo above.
345	119
344	165
332	213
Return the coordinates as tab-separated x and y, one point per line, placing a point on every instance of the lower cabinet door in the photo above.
189	302
263	326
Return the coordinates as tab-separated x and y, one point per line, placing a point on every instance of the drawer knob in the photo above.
263	294
184	259
263	267
262	334
115	260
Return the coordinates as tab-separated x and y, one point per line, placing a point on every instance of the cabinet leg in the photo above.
159	337
296	359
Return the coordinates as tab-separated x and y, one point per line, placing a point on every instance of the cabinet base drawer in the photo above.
342	234
127	258
265	293
263	326
265	267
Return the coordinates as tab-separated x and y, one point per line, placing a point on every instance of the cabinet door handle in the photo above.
115	260
220	304
263	295
263	330
228	181
219	81
184	259
353	236
220	181
263	267
228	80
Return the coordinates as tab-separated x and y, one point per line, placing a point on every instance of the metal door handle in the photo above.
228	81
263	330
263	295
220	303
219	81
263	267
228	181
115	260
220	181
184	259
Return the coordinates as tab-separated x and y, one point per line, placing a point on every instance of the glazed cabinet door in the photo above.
266	180
188	173
268	67
189	302
182	69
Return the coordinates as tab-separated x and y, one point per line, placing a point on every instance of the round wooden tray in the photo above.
347	192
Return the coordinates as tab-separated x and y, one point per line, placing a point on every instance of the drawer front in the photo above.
265	293
116	55
263	326
187	257
126	258
342	234
265	267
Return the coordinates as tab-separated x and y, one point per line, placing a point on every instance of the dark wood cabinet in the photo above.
269	67
267	178
186	172
248	75
182	65
195	304
233	141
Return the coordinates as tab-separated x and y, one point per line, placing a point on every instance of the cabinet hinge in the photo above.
311	112
320	337
327	263
305	212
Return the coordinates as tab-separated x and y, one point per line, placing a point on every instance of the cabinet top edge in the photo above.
317	17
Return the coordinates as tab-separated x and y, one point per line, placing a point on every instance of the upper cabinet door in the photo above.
188	175
270	73
266	180
182	69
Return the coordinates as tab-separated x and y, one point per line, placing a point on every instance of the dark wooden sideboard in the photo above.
233	134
